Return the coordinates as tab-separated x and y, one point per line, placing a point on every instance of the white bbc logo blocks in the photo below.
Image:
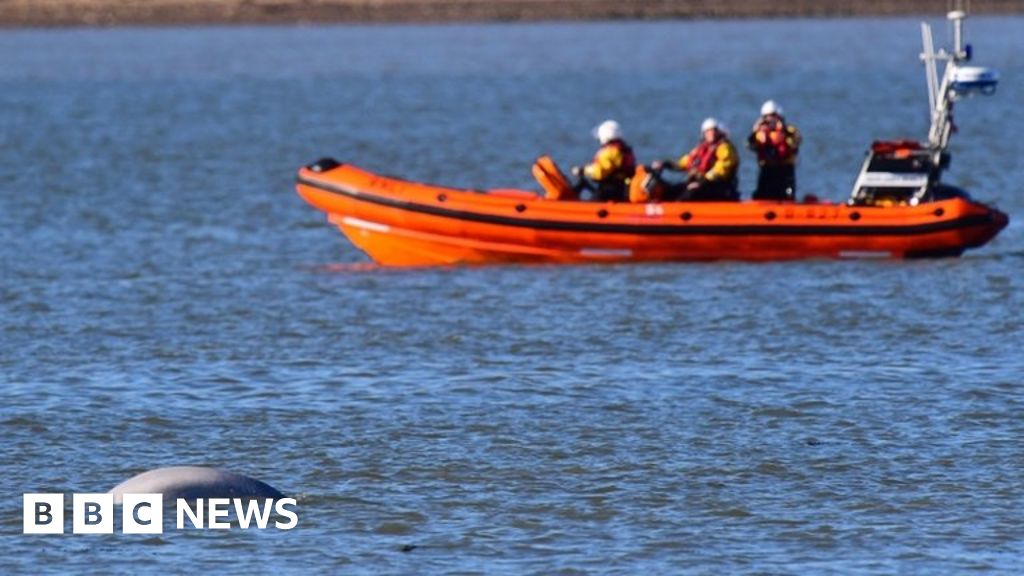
142	514
92	514
43	514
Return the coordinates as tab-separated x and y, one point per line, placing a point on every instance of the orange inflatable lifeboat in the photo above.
400	223
898	208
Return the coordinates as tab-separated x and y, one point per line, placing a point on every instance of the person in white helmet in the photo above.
711	166
776	144
613	165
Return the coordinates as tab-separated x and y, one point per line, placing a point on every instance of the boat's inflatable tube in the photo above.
192	482
404	223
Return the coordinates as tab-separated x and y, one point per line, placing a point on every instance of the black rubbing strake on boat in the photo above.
659	229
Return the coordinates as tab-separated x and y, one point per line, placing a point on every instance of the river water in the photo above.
167	299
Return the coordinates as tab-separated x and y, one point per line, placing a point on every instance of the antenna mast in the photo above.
957	81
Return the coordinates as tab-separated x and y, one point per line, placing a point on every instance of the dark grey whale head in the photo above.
191	482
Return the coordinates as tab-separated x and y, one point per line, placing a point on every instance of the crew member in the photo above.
613	165
711	166
776	144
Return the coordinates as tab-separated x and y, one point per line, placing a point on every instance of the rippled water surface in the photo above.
167	299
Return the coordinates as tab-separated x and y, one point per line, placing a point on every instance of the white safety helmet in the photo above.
770	107
712	124
608	130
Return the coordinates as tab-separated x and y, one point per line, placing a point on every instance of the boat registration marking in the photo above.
653	210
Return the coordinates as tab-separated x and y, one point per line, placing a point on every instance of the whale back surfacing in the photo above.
192	482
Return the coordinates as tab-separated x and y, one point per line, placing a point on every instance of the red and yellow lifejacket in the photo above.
774	141
613	162
715	160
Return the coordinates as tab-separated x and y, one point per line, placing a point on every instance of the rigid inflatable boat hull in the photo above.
400	223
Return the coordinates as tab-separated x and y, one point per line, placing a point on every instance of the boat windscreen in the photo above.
910	165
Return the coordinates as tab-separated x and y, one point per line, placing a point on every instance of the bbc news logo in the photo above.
144	513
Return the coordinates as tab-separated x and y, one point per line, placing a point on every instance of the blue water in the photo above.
168	300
